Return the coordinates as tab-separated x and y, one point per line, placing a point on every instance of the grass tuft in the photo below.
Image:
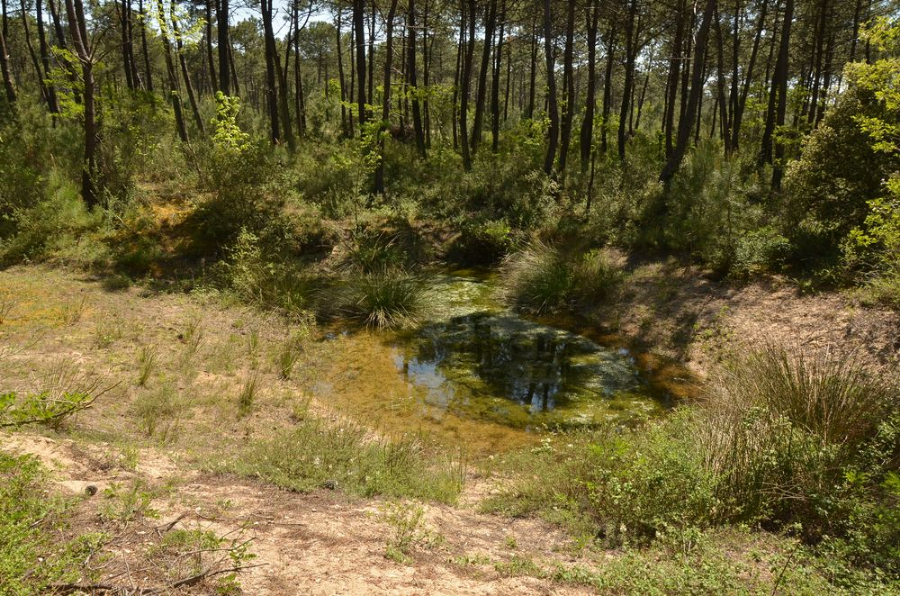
320	452
385	299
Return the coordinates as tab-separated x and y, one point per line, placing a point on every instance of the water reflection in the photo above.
477	374
480	360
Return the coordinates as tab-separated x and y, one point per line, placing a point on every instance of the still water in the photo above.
478	375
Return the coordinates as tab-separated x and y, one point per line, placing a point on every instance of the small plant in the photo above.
248	392
73	310
128	504
542	279
34	551
253	342
108	331
7	304
159	413
146	364
192	335
42	408
290	353
408	525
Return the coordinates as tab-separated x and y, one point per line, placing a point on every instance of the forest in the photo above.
613	285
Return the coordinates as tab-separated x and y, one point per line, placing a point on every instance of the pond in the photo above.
480	376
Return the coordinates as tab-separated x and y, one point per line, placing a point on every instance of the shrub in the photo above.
33	554
383	299
802	443
59	226
543	279
481	243
280	284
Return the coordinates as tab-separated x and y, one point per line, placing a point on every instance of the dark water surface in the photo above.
481	376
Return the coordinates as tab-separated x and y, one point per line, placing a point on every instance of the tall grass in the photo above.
785	439
541	278
384	299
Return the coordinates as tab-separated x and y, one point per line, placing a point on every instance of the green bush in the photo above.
787	441
383	299
58	227
480	243
269	282
33	553
542	279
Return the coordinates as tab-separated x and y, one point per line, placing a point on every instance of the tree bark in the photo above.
170	72
587	123
693	104
630	58
568	89
271	55
359	7
552	108
8	87
467	10
386	96
195	110
411	77
481	92
78	27
224	46
607	87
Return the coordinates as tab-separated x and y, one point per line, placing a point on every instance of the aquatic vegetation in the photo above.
542	279
384	299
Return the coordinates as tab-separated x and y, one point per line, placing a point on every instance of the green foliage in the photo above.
806	444
407	522
543	279
334	453
480	242
281	284
41	408
384	299
59	227
33	553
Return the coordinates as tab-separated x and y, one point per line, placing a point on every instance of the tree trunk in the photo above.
552	109
346	129
693	104
675	62
568	89
411	77
214	79
359	7
271	55
467	10
481	92
781	74
630	57
4	71
533	76
45	57
42	84
170	72
778	93
78	27
587	123
195	110
224	46
607	88
495	85
148	72
386	96
741	104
